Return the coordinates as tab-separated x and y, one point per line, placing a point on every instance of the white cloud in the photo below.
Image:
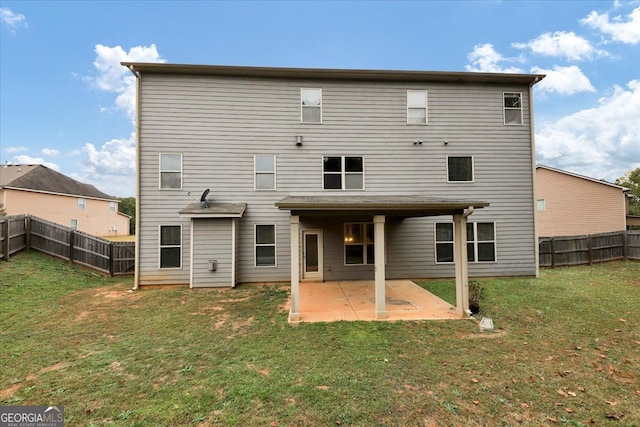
621	29
600	142
12	150
13	21
563	80
484	58
52	152
560	44
24	159
113	77
112	167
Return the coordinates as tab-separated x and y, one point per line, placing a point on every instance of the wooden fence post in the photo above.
589	249
111	269
625	242
552	245
5	242
27	230
72	241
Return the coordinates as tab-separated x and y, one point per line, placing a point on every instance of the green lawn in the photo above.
566	352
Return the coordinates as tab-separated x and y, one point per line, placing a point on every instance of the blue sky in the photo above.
67	103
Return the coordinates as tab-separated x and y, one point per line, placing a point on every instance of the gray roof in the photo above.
214	210
43	179
335	74
392	205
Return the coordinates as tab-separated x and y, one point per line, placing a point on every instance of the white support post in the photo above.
461	264
378	236
294	313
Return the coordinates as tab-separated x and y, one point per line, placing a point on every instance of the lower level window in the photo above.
481	242
444	242
359	248
170	246
74	224
265	245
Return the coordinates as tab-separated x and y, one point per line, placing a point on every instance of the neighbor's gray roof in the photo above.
392	205
214	210
335	74
42	179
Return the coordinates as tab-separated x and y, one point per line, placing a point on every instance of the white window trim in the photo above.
426	107
504	110
436	241
256	172
82	203
475	242
160	170
363	244
160	246
542	202
473	171
71	224
113	207
302	108
274	244
343	174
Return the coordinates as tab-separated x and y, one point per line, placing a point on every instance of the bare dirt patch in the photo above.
9	391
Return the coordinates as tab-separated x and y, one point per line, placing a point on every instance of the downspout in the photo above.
467	311
136	275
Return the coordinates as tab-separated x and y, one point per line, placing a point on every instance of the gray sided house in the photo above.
320	174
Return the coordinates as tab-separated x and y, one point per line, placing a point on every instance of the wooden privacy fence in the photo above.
28	232
589	249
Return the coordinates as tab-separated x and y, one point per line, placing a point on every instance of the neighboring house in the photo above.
569	204
318	174
40	191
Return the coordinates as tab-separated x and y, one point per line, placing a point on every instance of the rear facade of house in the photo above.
259	137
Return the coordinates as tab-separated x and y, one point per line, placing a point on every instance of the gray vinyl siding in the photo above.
212	240
220	123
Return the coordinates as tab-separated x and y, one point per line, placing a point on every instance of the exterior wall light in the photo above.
298	140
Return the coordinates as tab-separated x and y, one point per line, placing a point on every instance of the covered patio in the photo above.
378	208
355	300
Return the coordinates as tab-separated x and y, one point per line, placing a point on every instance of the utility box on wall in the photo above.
213	264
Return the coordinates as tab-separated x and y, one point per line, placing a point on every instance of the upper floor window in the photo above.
265	245
265	172
512	108
460	169
359	246
170	246
112	206
343	173
311	105
170	171
82	204
417	107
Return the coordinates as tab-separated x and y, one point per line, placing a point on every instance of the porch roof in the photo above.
390	205
214	210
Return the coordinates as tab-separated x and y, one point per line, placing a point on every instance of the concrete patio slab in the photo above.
355	300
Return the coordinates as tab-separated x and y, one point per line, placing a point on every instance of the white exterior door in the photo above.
312	265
